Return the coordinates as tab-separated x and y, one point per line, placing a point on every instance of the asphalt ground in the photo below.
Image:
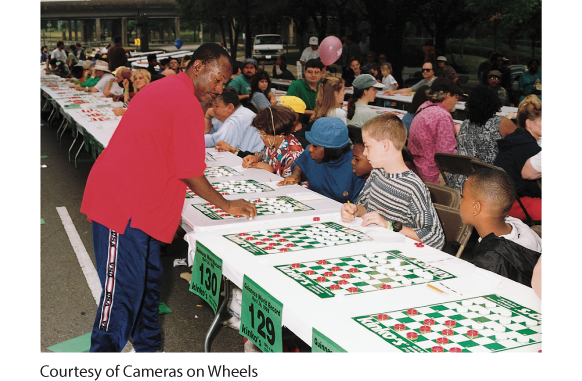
67	307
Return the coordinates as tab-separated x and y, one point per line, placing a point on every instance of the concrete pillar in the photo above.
98	29
177	27
83	32
124	39
75	28
70	30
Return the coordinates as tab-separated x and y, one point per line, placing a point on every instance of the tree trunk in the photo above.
248	31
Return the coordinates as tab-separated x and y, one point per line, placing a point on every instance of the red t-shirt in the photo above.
159	141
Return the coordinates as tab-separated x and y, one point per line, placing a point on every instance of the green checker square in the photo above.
373	272
342	264
300	230
411	276
434	315
347	259
439	307
494	346
386	280
312	242
308	247
317	267
405	320
526	331
360	284
457	318
359	266
468	344
420	338
481	319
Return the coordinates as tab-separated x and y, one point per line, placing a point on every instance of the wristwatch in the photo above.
395	226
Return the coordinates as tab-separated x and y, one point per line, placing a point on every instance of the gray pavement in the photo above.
67	306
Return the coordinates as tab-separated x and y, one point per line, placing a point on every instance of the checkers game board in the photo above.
488	323
265	206
221	171
101	115
362	273
295	238
209	157
234	187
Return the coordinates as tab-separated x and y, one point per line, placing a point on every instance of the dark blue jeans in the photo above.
130	272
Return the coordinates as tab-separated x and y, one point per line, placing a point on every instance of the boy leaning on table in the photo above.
506	246
393	193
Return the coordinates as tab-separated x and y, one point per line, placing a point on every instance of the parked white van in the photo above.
267	47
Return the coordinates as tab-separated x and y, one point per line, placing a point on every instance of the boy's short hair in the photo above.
387	127
495	187
315	63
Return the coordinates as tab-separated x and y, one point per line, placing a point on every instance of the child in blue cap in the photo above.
326	164
393	193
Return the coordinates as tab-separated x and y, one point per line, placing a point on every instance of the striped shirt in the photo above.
403	197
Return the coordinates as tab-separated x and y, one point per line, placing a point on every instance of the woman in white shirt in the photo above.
330	98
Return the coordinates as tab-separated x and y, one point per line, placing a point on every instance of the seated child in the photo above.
326	162
360	163
393	192
506	245
274	124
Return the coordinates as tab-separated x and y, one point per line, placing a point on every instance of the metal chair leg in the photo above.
63	131
61	126
73	144
48	121
221	309
79	150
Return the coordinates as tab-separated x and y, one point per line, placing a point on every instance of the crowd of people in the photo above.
353	156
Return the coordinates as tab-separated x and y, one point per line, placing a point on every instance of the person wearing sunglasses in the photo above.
428	77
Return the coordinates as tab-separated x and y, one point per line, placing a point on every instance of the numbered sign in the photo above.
322	343
261	317
206	276
137	42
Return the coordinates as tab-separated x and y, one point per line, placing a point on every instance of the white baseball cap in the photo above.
313	41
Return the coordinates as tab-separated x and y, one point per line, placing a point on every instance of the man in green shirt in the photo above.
306	88
242	83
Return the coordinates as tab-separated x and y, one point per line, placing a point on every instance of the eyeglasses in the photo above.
495	78
427	70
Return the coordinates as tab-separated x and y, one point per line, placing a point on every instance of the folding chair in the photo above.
455	230
453	163
443	195
408	158
479	164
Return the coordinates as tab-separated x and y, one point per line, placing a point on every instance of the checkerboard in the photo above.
209	157
220	171
296	238
265	206
235	187
500	324
362	273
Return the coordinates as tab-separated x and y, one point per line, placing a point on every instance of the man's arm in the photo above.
202	188
528	171
106	90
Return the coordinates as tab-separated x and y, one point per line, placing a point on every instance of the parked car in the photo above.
267	47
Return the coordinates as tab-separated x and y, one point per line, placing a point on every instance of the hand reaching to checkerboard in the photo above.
222	146
348	212
241	207
252	161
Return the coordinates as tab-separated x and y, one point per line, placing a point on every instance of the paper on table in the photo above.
306	196
476	282
375	232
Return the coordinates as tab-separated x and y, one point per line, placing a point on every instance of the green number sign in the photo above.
261	317
206	275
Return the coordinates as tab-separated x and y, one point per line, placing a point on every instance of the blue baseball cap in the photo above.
328	132
251	60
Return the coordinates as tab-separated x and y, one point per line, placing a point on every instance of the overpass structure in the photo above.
104	19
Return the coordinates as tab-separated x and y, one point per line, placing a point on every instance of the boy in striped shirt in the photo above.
393	192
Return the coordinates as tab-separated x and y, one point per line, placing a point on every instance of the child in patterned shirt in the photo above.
393	192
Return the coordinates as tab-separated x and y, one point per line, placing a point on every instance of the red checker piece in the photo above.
224	193
437	349
259	243
334	287
425	329
238	215
342	282
412	312
328	273
399	327
353	289
282	249
346	276
249	238
382	317
429	322
208	203
450	323
386	287
282	240
336	268
455	350
353	270
412	335
472	333
448	332
296	265
321	279
322	262
309	272
266	239
214	207
290	245
442	340
242	234
223	214
315	218
276	235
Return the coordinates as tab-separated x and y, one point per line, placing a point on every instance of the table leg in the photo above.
61	126
74	140
221	309
79	150
63	131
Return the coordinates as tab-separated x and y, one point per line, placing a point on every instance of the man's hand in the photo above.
241	207
374	218
290	180
222	146
119	111
261	165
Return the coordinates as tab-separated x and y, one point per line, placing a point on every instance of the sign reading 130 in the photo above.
206	276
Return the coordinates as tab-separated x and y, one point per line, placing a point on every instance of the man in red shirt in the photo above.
135	194
116	55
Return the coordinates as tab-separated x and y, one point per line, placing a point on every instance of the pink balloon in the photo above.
330	50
